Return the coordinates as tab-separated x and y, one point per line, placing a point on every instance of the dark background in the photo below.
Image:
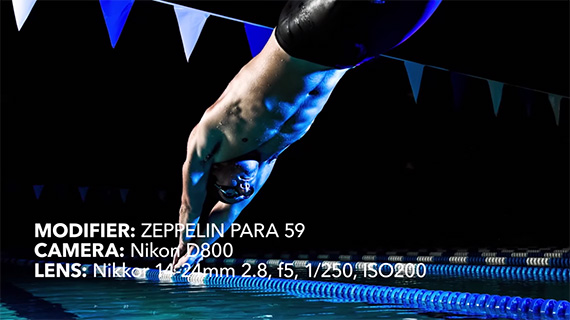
376	171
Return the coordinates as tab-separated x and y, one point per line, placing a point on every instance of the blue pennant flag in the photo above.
257	37
415	72
459	85
38	190
83	192
124	193
115	13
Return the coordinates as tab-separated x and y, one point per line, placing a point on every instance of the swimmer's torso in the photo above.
270	104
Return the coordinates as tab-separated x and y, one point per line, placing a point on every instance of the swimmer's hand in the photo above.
187	263
179	255
183	260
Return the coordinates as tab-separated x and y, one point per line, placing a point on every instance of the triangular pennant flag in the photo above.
496	89
38	190
555	103
124	193
257	37
415	71
83	192
115	13
527	100
458	85
22	9
190	23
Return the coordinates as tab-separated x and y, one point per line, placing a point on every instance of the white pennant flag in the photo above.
415	72
555	103
22	10
190	23
496	94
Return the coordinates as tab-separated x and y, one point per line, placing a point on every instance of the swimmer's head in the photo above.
234	180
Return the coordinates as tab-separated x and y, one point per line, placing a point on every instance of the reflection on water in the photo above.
6	313
129	299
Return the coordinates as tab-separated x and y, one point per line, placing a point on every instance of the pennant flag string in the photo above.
472	76
458	83
22	9
403	60
191	22
257	34
218	15
107	191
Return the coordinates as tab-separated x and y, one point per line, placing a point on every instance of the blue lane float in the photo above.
465	303
459	270
483	305
478	256
560	260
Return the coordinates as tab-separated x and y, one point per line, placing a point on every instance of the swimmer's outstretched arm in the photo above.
202	146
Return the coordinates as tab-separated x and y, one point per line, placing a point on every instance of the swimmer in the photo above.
275	97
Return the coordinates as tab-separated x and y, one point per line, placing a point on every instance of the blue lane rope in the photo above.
493	306
473	271
497	252
431	300
531	258
488	271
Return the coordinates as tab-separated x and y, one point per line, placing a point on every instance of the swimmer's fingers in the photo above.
187	262
180	252
182	262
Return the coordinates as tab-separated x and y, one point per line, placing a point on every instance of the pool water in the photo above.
25	297
129	299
